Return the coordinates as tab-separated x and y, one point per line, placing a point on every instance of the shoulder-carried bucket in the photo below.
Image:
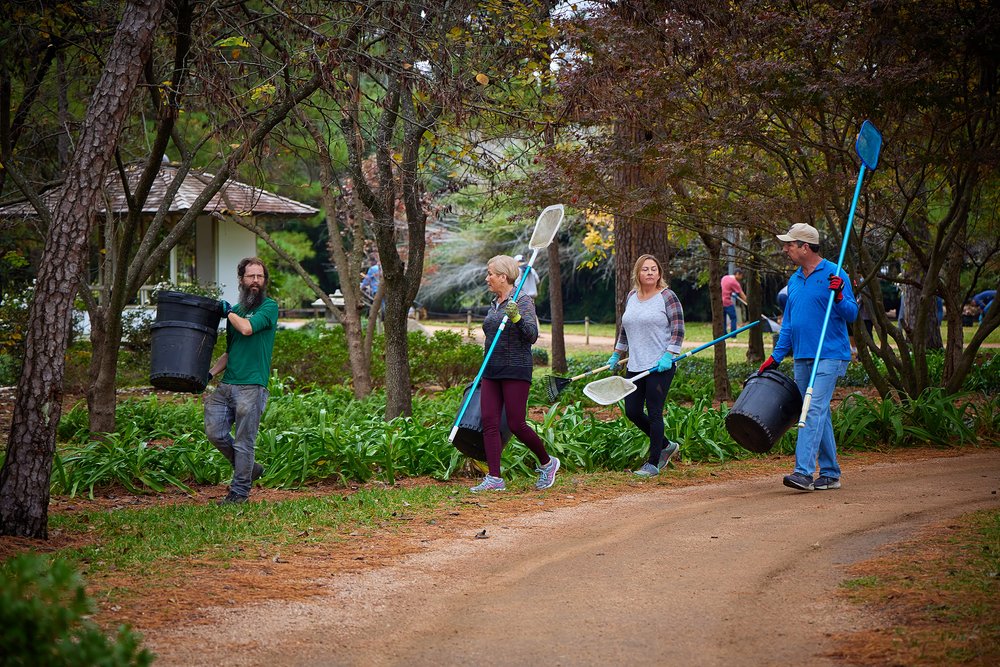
183	337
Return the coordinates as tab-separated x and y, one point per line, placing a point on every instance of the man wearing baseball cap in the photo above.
808	295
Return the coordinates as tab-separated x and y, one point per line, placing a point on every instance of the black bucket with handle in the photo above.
183	337
469	439
769	405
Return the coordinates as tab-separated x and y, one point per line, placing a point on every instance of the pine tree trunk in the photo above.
105	341
755	302
633	237
556	305
26	473
720	375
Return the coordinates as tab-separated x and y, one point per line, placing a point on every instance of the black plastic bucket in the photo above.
184	335
182	307
469	439
769	405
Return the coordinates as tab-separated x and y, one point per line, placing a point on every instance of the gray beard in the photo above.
251	299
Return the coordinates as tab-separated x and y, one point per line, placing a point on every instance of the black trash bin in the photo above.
184	335
769	405
469	439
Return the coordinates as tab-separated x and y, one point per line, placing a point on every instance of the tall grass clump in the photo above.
933	418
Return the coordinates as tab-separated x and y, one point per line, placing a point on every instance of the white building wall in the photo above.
233	243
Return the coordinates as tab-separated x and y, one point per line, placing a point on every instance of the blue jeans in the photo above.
815	439
729	314
240	405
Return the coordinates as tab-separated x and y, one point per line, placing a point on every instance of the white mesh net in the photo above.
609	390
546	227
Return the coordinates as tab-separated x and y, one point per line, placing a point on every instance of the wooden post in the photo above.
586	330
468	323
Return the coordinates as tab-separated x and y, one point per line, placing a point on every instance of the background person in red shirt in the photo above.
731	286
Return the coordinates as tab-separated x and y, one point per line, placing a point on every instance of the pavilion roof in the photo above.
233	198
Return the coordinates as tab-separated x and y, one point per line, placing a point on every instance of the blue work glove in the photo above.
665	363
767	364
513	314
837	285
225	308
613	360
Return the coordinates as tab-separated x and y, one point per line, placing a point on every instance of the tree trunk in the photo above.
633	237
105	339
26	473
556	305
755	301
720	374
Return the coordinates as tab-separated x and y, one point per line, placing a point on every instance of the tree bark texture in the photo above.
720	374
755	301
634	237
556	304
25	477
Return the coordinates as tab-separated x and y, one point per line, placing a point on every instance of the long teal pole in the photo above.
807	399
489	352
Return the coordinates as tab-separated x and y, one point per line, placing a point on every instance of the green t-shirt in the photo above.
250	356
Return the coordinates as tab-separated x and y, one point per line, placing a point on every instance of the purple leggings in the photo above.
512	396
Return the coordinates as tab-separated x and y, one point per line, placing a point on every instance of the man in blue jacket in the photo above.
808	295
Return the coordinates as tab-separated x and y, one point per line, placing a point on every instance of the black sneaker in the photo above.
824	483
799	481
257	473
232	499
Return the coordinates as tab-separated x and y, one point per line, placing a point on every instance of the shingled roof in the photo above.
234	197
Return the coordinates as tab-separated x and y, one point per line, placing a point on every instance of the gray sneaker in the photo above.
256	473
489	483
647	470
668	451
799	481
547	473
824	483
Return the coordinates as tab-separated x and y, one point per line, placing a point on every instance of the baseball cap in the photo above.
518	258
801	232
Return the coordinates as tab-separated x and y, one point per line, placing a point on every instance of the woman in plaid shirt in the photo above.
652	333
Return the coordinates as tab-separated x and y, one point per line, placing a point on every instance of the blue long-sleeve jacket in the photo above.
804	312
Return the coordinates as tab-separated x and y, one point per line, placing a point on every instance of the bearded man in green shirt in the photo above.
241	396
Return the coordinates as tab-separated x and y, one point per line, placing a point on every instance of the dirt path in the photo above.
739	572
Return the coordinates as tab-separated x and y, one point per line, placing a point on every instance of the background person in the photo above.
370	281
241	396
782	298
507	376
808	296
652	334
531	282
983	301
731	286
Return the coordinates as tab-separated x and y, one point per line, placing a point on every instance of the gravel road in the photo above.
740	572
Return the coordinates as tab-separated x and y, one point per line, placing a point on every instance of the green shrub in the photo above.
985	375
444	359
314	357
13	325
539	356
43	619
